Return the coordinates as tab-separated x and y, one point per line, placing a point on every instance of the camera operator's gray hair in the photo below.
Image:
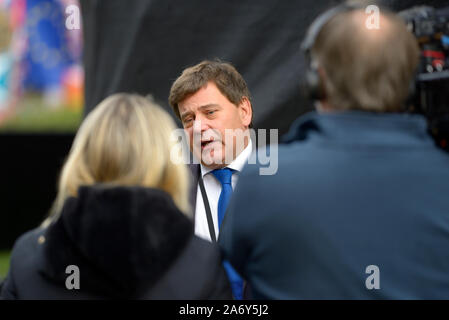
369	69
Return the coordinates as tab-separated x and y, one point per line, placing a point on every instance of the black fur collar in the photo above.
121	238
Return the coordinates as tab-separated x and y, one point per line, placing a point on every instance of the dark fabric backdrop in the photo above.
142	46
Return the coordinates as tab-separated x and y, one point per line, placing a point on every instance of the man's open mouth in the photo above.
205	143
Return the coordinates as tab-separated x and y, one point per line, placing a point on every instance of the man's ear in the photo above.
245	111
323	104
321	82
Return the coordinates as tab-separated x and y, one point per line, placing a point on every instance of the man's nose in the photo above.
200	125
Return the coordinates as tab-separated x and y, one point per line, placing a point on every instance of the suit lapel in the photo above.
195	173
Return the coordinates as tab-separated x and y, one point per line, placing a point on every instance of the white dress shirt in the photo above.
213	190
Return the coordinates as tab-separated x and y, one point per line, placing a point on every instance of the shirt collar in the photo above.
237	164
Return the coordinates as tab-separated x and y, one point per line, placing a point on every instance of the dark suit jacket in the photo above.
195	171
353	189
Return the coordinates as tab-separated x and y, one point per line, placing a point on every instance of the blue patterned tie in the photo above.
224	176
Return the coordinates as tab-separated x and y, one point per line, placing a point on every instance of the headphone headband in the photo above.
313	85
321	20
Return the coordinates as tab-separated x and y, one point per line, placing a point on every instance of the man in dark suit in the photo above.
213	103
358	208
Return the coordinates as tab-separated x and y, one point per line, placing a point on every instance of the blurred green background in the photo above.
4	263
32	115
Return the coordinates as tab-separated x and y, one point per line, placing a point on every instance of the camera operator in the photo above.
358	208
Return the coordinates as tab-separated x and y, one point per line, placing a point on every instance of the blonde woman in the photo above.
120	225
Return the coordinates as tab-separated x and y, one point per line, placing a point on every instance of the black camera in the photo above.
431	95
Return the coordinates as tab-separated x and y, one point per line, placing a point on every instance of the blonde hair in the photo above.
124	141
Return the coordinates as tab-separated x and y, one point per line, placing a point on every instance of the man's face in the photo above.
208	118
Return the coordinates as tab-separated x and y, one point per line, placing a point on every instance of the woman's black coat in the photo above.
127	242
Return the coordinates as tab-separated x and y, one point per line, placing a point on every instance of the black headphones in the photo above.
313	85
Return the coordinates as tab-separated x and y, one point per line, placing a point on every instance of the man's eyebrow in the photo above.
203	107
208	106
183	115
